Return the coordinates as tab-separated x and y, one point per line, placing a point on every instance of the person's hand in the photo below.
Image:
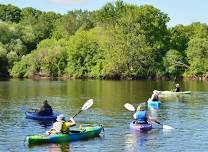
52	131
71	119
134	115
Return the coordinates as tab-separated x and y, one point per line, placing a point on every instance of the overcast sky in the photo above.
179	11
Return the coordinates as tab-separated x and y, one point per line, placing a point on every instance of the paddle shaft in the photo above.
77	113
157	122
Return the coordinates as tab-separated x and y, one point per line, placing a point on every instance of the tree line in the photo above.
117	41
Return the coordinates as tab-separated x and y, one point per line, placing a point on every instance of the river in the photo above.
186	113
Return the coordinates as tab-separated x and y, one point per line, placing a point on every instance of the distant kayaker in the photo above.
45	109
61	125
141	116
177	89
155	96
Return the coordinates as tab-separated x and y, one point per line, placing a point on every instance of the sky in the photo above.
180	11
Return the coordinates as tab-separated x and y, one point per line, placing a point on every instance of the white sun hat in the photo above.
60	117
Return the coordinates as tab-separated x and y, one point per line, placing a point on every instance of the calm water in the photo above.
187	113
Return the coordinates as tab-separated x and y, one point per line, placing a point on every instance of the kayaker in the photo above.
61	125
45	109
155	96
141	116
177	89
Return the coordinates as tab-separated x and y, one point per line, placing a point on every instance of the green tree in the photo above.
175	63
67	25
179	37
197	53
3	60
84	58
12	58
5	33
20	69
16	45
29	15
48	60
10	13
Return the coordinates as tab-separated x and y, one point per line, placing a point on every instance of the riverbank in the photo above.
66	77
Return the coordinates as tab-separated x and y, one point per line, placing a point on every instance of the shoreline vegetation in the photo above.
117	41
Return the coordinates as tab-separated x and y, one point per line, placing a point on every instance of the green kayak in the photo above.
74	135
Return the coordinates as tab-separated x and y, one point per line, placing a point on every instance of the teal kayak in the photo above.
153	104
74	135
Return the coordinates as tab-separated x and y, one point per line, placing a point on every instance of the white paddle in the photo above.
164	126
129	107
86	106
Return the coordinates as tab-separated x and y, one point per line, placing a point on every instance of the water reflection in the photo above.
153	113
65	147
45	124
139	141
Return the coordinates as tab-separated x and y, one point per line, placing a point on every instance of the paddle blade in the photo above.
87	104
167	127
129	107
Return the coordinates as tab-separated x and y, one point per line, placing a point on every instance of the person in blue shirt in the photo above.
140	115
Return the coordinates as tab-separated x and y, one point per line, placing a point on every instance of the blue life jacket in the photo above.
141	116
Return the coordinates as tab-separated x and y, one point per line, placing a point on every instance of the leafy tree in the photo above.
197	53
3	59
49	60
16	45
84	58
36	26
29	15
20	69
10	13
179	37
175	63
5	33
27	35
67	25
12	58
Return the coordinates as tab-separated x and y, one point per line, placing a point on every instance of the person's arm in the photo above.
71	122
134	116
41	109
152	97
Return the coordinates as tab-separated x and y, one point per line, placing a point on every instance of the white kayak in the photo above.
173	93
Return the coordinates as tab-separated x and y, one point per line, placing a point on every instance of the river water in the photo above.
186	113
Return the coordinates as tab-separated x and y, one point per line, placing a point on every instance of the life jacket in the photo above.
64	128
141	116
